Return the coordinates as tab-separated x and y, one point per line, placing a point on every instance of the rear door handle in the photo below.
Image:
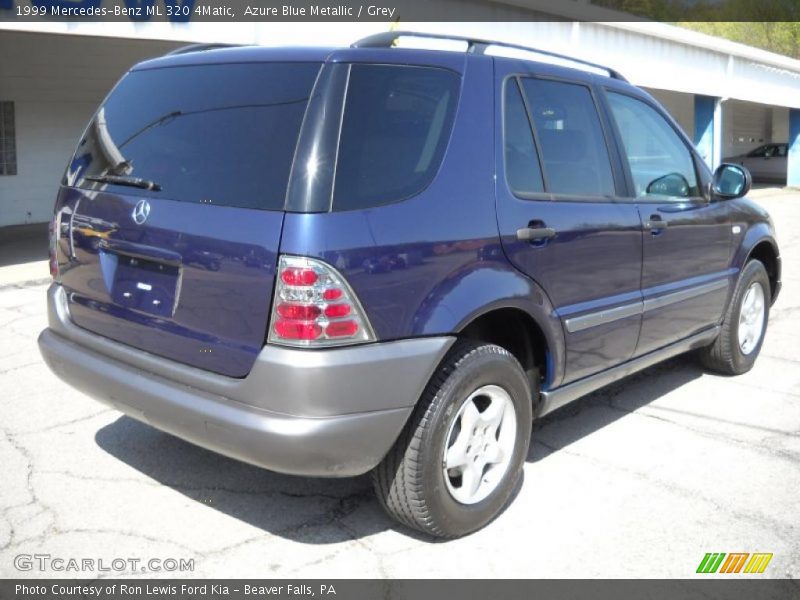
535	234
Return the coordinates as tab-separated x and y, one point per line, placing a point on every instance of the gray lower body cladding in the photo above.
334	412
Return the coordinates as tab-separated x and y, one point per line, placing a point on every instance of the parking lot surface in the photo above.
640	479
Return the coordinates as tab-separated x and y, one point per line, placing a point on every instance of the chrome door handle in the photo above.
655	223
535	234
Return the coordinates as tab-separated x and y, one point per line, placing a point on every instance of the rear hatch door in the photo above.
172	209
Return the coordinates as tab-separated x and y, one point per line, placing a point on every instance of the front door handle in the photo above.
535	234
655	224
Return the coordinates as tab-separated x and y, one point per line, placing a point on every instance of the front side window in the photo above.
395	128
574	152
660	163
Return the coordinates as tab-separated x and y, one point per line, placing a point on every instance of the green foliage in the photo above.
773	25
780	37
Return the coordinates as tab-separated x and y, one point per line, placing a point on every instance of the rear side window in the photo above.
523	172
574	151
217	134
395	128
661	165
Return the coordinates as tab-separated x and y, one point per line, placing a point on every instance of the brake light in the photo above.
52	235
297	330
339	329
302	312
337	310
314	306
299	276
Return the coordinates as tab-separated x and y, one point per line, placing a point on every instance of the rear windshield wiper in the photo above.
137	182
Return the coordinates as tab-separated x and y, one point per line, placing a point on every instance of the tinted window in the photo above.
661	165
523	172
395	128
8	139
220	134
573	147
759	152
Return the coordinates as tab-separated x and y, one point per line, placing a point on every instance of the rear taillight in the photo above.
314	306
53	233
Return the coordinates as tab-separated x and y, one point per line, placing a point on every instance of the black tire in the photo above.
410	482
725	355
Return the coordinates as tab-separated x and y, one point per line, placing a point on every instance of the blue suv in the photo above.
332	261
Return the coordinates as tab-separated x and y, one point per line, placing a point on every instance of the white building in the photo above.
729	98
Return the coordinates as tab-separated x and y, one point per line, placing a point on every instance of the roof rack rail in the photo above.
474	45
199	48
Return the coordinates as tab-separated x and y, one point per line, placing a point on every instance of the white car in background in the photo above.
767	162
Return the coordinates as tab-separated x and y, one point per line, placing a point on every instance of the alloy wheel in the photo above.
751	318
480	444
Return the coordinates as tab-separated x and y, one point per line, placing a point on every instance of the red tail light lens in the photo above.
297	330
332	294
342	329
303	312
298	276
314	306
337	310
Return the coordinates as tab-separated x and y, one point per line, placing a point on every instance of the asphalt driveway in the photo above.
638	480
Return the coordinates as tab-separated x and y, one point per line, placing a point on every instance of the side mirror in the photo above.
730	181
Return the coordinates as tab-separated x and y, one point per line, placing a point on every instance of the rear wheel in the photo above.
459	458
739	342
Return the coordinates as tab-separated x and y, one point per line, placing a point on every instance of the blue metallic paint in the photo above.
695	248
756	227
430	264
569	267
225	260
453	267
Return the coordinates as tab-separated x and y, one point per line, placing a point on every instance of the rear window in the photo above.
216	134
395	129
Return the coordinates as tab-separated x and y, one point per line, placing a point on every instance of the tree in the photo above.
779	37
772	25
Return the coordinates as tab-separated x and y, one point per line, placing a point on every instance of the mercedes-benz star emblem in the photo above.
141	211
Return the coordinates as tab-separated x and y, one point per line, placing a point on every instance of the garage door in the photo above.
747	127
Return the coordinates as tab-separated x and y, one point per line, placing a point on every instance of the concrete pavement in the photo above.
23	254
638	480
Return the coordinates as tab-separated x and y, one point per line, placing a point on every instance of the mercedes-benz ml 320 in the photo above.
327	262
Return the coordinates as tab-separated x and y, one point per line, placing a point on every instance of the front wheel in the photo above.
459	458
739	342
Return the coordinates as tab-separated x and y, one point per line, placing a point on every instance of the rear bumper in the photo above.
329	413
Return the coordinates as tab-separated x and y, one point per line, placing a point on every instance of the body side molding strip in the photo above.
609	315
575	324
681	295
553	399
